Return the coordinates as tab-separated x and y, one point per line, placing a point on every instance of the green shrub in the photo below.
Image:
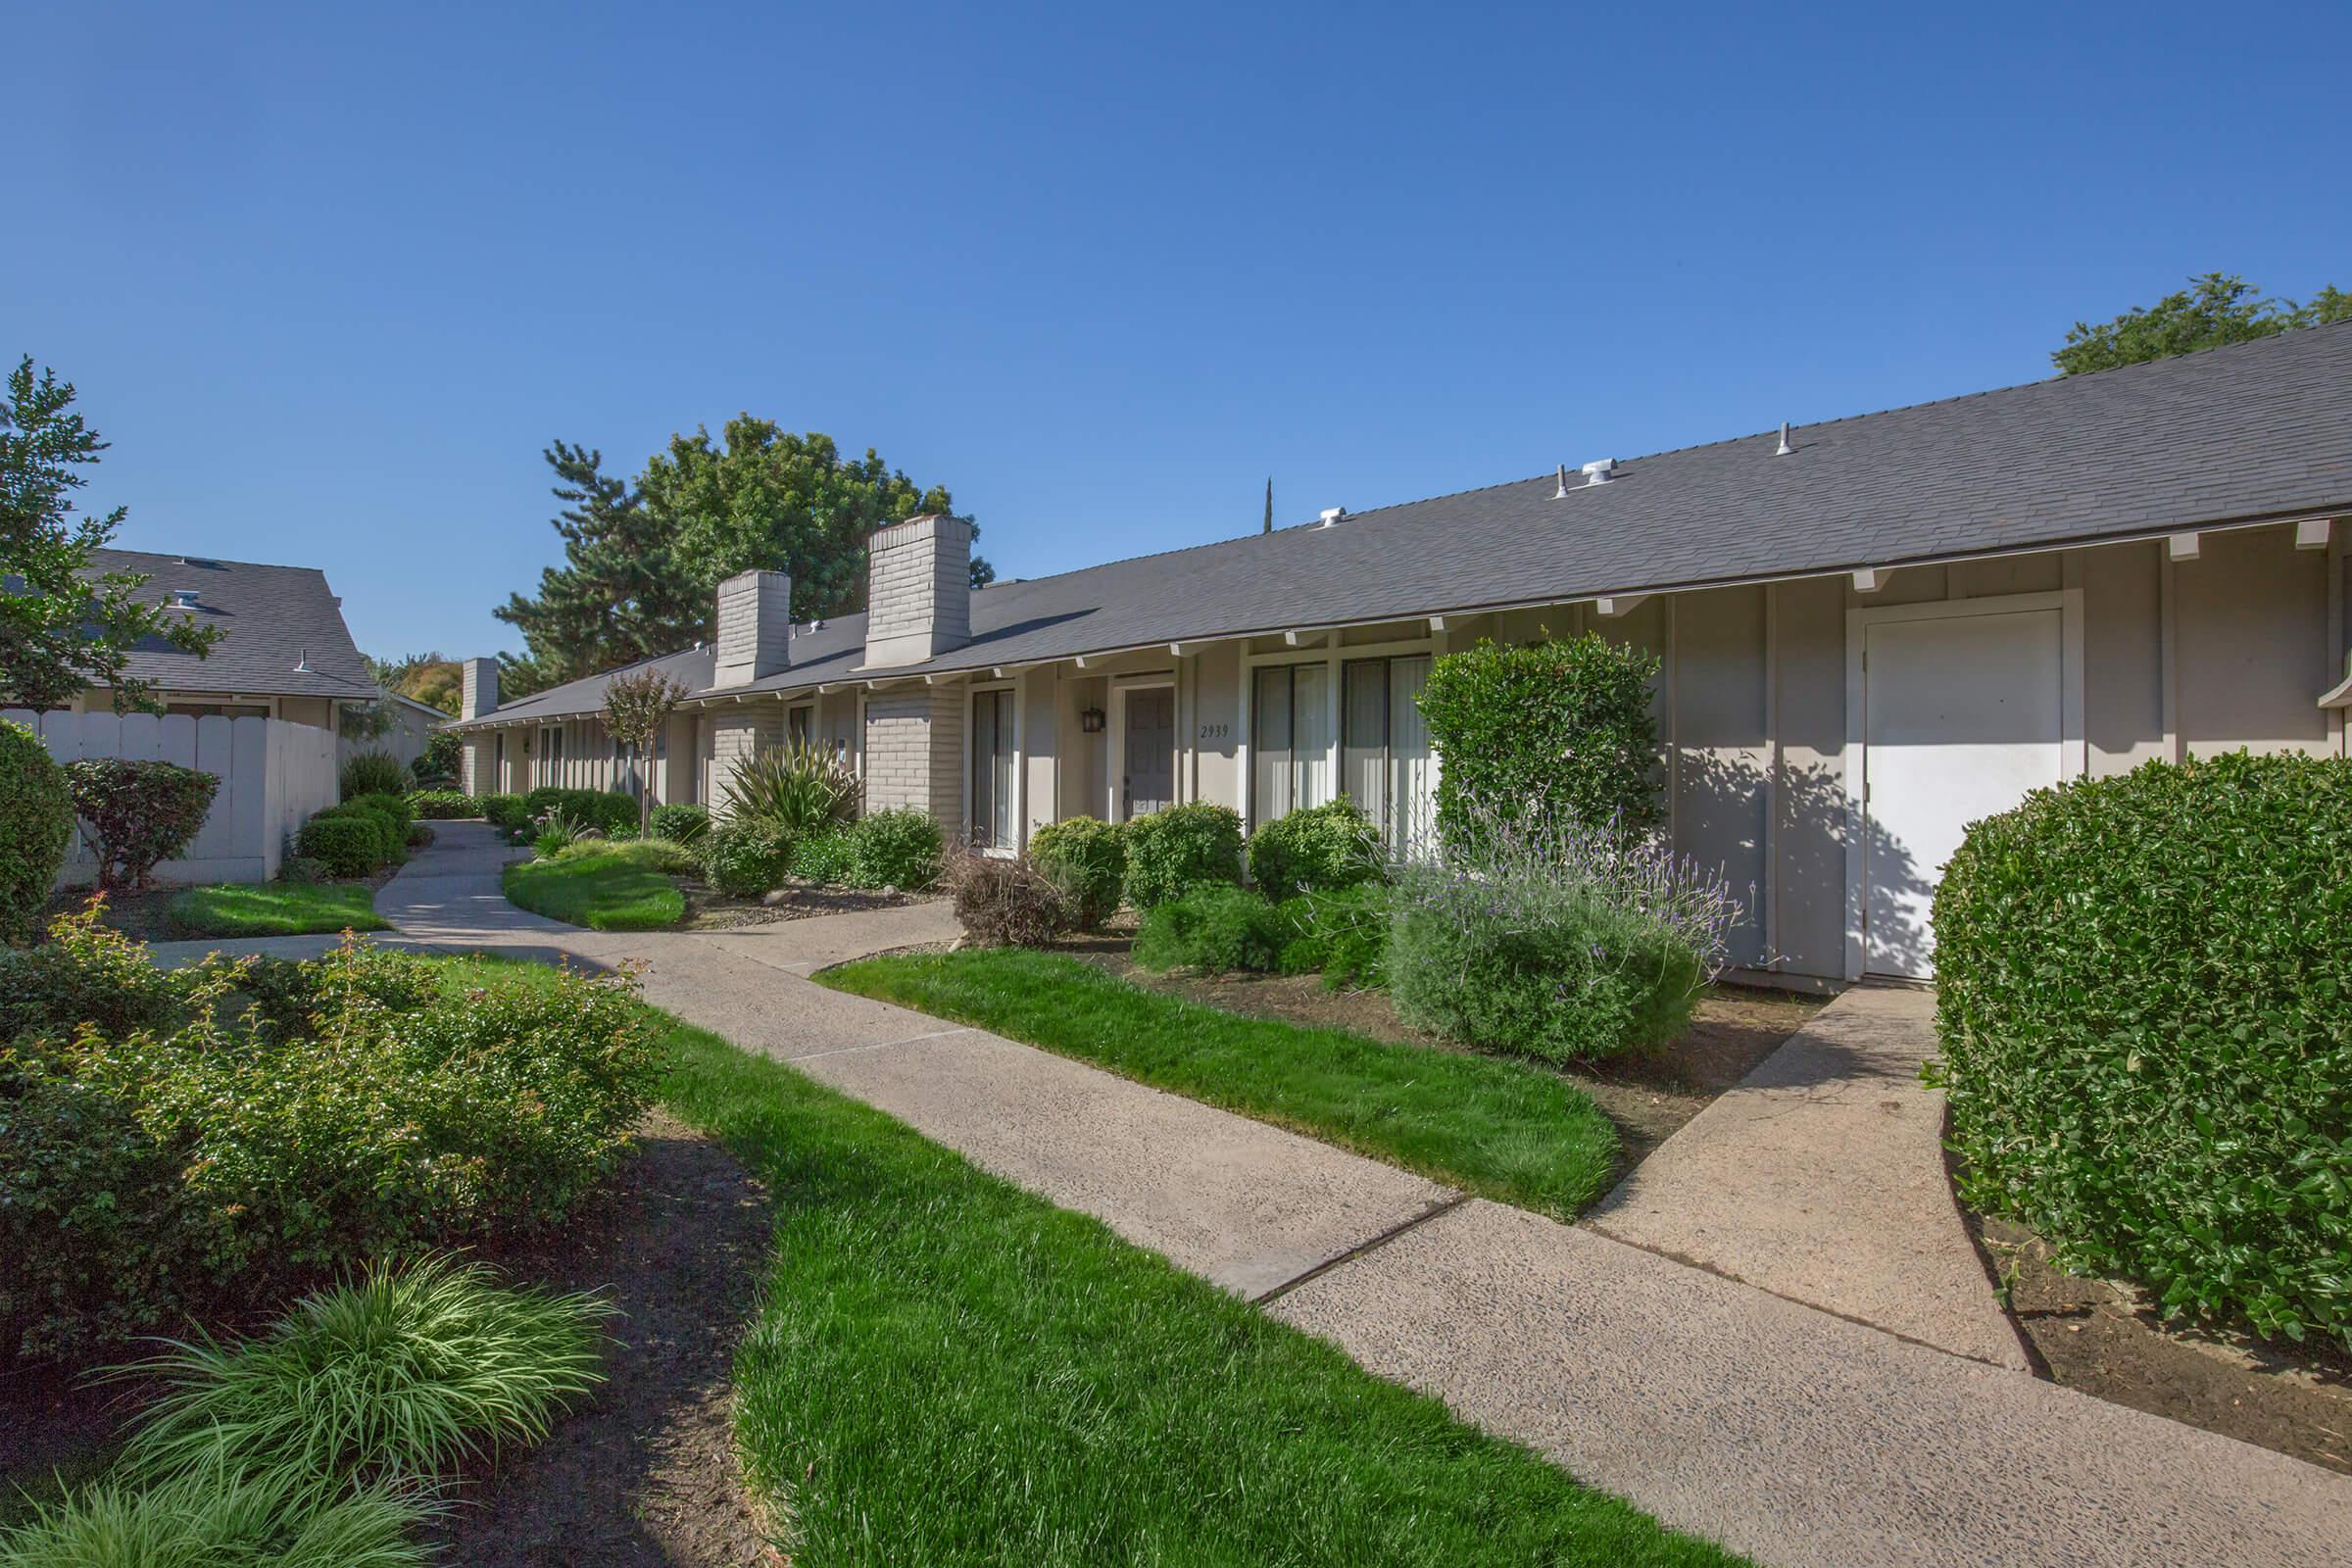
161	1176
40	813
744	860
797	787
1560	729
2144	996
1342	934
827	857
86	972
1182	847
420	835
1212	928
394	809
139	813
347	845
503	811
1562	940
443	805
609	811
1087	858
301	868
680	822
1315	848
900	849
375	773
439	765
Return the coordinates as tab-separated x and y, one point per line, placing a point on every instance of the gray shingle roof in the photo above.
2237	434
271	618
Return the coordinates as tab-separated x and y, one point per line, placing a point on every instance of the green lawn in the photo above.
275	909
945	1370
605	887
1501	1129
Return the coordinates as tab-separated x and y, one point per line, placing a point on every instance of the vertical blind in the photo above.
1289	745
1386	766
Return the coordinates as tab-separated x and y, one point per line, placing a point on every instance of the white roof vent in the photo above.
1784	449
1600	470
1332	514
183	598
302	666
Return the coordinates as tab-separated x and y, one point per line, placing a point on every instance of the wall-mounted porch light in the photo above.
1090	720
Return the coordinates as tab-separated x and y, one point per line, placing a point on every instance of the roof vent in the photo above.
302	664
1600	470
183	598
1332	514
1785	448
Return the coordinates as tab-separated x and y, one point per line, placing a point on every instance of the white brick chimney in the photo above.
755	627
918	599
477	691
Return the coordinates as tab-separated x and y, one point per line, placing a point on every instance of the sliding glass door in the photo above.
1386	766
995	800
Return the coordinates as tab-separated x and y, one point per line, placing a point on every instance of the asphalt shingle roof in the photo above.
2235	434
272	619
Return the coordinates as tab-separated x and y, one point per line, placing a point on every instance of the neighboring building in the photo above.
412	727
1872	633
284	652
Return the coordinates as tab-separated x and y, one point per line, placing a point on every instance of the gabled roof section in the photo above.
272	619
2239	434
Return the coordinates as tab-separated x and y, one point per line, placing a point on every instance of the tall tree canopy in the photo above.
2216	309
64	625
435	680
642	557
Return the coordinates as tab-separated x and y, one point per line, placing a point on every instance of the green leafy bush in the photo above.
1008	901
1087	857
1315	848
503	811
438	766
828	856
162	1175
375	773
680	822
609	811
301	868
744	860
1212	928
1342	934
1560	730
443	805
1182	847
1559	940
137	815
798	788
2144	996
347	845
900	849
86	972
39	810
420	834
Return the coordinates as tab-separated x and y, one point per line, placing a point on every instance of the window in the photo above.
1290	739
994	796
551	755
1386	766
498	765
797	725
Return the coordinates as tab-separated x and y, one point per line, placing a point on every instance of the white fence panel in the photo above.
274	775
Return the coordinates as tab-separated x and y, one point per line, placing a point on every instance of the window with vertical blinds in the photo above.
1290	740
1386	766
992	787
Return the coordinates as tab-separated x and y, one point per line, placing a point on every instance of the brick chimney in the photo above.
477	692
918	599
755	627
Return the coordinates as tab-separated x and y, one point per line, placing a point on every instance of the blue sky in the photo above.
329	277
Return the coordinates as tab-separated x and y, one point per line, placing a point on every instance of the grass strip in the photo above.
605	887
1501	1129
275	909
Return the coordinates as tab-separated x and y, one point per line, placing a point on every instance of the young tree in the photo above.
636	706
64	625
2215	309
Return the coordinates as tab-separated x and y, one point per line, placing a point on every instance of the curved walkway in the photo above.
1792	1434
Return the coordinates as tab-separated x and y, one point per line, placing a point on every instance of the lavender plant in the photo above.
1543	935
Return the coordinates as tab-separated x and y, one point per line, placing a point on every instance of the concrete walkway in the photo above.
1781	1430
1821	1178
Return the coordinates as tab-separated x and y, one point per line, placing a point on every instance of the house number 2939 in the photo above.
1215	732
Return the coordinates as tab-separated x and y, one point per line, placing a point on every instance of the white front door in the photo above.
1963	714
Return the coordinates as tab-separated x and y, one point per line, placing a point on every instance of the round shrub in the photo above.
898	849
827	857
39	810
744	860
1087	857
141	813
375	773
441	806
680	822
2144	996
1342	934
503	811
1182	847
1315	848
1212	928
346	844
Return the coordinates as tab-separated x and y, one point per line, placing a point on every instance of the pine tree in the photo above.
622	594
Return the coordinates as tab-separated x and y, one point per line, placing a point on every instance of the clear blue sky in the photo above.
330	277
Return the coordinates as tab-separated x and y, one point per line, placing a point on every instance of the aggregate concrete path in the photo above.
1821	1177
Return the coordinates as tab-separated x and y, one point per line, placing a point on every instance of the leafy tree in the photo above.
636	706
626	590
64	625
2215	309
435	680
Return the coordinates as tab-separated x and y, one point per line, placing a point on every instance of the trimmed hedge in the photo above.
347	845
1212	928
680	821
744	860
39	810
1179	848
609	811
1559	729
1087	858
900	849
503	811
1315	848
2144	993
443	805
141	813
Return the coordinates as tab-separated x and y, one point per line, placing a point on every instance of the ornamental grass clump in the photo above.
1542	935
211	1518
